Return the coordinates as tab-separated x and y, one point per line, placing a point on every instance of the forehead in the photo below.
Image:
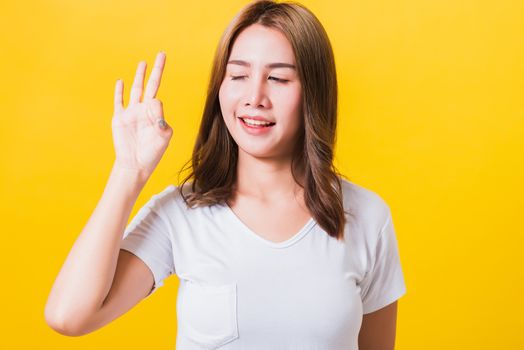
258	43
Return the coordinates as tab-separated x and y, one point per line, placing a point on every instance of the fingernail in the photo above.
162	123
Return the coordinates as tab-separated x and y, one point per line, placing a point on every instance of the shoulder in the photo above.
368	217
365	207
168	197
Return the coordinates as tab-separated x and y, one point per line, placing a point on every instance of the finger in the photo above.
156	114
138	83
156	75
155	110
118	100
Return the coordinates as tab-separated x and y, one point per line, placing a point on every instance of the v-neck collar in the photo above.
296	237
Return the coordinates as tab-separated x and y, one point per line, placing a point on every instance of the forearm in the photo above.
88	271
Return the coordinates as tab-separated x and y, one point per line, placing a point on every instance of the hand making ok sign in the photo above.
140	133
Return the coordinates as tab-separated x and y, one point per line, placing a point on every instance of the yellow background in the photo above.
431	117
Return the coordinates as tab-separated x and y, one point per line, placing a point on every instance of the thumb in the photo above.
156	114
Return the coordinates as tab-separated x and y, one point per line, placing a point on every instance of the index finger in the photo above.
156	74
118	99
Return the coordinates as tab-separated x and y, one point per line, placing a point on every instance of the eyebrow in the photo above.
270	65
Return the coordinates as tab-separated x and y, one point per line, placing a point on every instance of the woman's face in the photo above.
261	81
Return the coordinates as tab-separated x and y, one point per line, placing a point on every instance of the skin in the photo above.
98	281
265	187
90	293
378	329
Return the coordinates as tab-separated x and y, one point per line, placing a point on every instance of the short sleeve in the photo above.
147	236
384	283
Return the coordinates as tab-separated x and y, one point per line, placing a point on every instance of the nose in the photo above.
256	94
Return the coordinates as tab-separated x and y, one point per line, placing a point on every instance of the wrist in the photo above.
131	177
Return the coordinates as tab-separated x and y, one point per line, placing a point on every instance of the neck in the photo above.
265	178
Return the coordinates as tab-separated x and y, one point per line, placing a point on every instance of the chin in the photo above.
256	152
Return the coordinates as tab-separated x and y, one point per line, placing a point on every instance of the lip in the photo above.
256	117
254	130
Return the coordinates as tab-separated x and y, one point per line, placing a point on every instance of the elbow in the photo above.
63	325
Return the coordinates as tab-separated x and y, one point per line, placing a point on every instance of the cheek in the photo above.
221	98
229	92
227	95
290	101
226	106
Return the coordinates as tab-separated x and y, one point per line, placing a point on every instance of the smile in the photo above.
254	122
255	127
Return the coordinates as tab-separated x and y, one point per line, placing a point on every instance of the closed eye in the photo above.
239	77
279	80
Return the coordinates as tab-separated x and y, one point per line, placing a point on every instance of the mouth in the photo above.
255	123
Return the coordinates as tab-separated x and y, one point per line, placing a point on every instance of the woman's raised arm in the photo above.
95	264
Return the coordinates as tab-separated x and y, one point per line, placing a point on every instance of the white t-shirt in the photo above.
240	291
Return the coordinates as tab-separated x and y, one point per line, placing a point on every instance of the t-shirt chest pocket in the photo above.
207	314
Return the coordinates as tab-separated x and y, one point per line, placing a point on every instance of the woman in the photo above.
273	248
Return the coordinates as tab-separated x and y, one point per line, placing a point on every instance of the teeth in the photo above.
255	122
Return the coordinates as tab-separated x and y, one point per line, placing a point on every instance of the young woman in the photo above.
274	249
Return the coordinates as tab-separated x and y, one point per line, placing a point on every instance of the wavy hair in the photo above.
214	159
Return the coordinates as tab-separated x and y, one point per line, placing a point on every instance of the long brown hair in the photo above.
214	158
